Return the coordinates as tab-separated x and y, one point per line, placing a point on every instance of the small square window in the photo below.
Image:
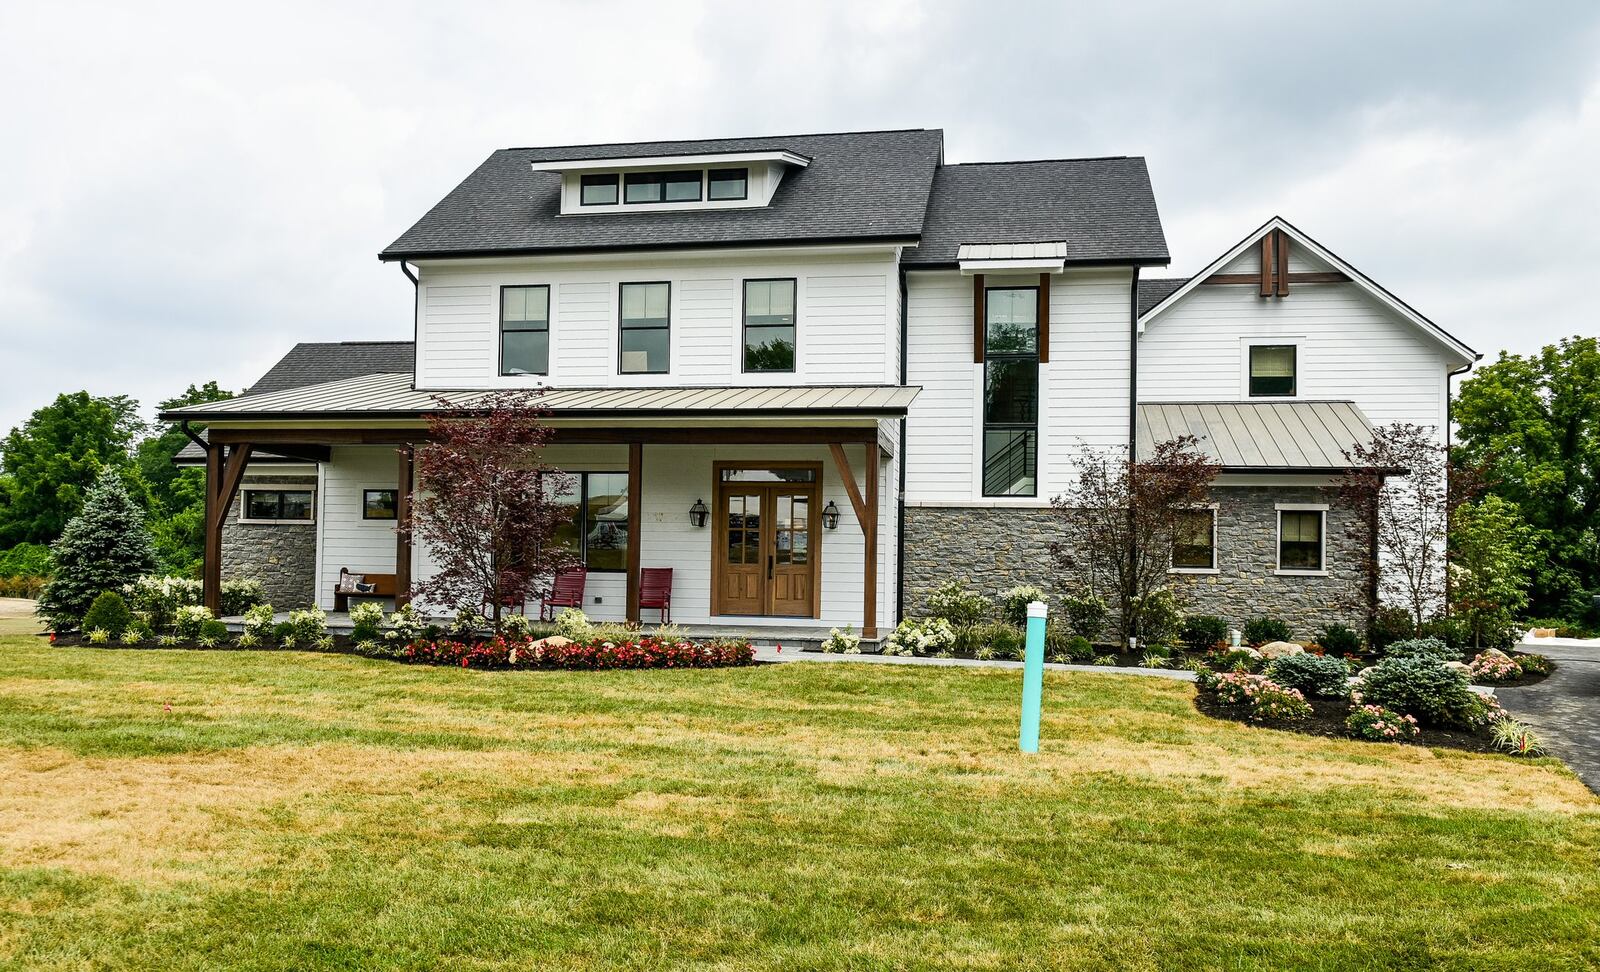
1272	370
599	190
728	184
379	504
1300	540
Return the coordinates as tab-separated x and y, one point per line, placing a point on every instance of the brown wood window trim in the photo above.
979	318
1043	315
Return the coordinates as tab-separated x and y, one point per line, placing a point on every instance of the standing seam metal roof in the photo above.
1242	436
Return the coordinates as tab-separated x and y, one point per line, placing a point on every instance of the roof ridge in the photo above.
1081	158
719	138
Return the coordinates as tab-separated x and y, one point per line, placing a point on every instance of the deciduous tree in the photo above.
51	459
1491	555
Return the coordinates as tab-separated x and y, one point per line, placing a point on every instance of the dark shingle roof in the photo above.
1157	289
1104	209
859	185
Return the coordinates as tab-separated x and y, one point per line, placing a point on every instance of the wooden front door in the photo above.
765	550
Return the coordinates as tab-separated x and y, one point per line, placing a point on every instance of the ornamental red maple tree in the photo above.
485	504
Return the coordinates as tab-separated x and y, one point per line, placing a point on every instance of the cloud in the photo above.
192	188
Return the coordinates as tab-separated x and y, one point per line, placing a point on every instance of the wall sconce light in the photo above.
698	514
830	516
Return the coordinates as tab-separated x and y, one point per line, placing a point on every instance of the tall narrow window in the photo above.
1272	370
525	330
1194	540
1011	392
1300	540
727	183
769	328
597	530
599	190
646	328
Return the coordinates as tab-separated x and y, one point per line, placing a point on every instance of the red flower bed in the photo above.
646	652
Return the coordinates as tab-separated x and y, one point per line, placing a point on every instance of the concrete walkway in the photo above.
769	654
1565	707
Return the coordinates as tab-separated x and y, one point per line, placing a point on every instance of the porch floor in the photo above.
798	636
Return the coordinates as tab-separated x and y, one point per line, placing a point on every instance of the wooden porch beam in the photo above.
1266	265
211	555
635	524
232	476
1301	277
1281	242
848	475
869	527
567	435
402	520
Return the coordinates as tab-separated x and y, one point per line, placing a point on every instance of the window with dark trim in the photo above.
769	325
598	529
289	505
598	190
379	504
525	330
1300	539
727	184
1194	540
1272	370
645	325
654	187
1011	391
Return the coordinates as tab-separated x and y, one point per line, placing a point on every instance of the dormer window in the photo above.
655	187
600	190
729	183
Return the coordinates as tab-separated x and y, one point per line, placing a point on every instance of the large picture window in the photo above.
1194	540
276	505
525	330
1272	370
1011	392
769	328
1300	540
646	328
598	530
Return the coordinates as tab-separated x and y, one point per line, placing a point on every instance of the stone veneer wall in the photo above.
992	549
282	556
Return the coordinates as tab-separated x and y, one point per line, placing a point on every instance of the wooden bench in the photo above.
382	586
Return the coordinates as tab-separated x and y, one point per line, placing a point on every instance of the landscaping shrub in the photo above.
1378	724
212	633
927	636
1452	631
24	587
1259	631
1235	660
366	621
186	623
1429	648
517	626
1516	738
406	626
1086	613
157	599
1001	641
239	596
1261	696
1014	603
258	621
845	642
1080	650
574	624
137	632
102	548
306	628
1338	639
1421	687
1159	617
1106	660
1492	666
108	613
1533	664
1203	632
31	560
97	636
645	652
1391	624
1320	675
467	623
957	605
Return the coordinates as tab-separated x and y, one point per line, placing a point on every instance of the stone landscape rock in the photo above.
1278	649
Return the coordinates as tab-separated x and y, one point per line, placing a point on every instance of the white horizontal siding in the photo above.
345	539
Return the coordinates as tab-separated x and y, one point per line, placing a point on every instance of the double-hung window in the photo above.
1194	540
1272	370
769	328
645	340
1300	539
1011	392
597	532
525	330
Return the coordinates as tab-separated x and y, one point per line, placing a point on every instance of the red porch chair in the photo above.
655	591
567	592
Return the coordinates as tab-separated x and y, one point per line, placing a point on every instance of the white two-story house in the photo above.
818	375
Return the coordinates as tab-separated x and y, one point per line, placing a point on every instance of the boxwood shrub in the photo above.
1259	631
1203	632
1337	639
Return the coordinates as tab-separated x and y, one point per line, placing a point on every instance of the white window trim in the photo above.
1215	554
1297	341
1322	535
277	488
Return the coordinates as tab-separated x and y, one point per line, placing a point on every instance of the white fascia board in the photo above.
657	161
1367	284
969	267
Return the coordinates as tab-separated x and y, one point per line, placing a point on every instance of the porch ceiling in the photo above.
392	396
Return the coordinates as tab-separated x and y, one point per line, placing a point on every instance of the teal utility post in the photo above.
1032	679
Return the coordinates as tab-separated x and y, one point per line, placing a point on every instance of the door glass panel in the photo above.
799	475
799	529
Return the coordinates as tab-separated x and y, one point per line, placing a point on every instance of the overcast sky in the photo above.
186	191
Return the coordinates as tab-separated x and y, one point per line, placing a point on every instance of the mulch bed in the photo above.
1327	720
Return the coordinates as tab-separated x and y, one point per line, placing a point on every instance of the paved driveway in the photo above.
1565	707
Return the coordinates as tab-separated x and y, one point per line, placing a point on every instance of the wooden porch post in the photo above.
635	524
869	620
402	533
211	554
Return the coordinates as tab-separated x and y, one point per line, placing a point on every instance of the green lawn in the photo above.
299	811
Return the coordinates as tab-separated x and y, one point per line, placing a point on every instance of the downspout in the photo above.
900	513
1449	443
202	443
416	301
1133	417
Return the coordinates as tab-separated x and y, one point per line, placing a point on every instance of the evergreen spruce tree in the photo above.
102	548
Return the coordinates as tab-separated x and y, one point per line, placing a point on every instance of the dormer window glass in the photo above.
1272	370
525	330
655	187
599	190
728	184
646	329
